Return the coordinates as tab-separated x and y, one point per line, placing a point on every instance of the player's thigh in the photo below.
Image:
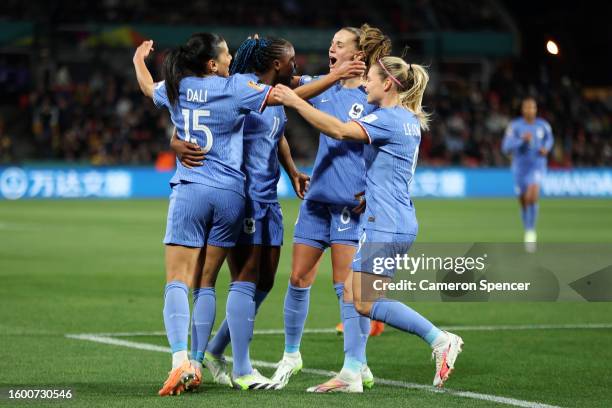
268	265
243	262
342	258
181	263
304	264
213	259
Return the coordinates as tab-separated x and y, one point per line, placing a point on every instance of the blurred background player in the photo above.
392	133
326	217
254	260
528	140
207	203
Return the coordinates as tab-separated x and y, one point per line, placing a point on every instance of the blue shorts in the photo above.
262	224
523	178
376	246
199	215
320	224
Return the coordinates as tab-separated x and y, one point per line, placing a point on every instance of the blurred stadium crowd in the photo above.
94	113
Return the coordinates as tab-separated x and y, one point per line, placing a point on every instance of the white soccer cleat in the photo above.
367	378
290	364
254	381
530	239
218	369
445	355
345	381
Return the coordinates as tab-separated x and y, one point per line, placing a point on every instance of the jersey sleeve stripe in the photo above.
265	100
365	131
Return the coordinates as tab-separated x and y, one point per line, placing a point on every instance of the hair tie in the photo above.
394	79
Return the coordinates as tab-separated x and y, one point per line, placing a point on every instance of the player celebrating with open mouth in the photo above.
326	218
392	133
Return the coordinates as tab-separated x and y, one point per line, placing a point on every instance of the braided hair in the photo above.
257	55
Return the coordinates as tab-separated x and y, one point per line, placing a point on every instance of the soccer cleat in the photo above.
530	239
290	364
177	378
445	356
376	328
342	382
367	378
195	382
254	381
218	369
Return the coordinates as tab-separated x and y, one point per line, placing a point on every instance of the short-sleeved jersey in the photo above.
262	132
339	169
211	111
526	154
390	161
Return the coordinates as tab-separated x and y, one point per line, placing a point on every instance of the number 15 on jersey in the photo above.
195	126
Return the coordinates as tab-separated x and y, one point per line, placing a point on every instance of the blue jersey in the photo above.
262	132
390	160
211	111
339	169
526	155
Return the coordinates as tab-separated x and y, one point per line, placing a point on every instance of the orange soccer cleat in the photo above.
178	379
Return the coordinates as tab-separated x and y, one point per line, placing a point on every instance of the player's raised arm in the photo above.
145	80
348	69
327	124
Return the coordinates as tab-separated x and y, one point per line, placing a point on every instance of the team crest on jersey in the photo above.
256	86
356	111
249	226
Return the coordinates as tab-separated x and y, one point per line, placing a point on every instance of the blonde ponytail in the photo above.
413	79
374	44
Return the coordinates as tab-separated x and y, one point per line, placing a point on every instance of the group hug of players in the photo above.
230	119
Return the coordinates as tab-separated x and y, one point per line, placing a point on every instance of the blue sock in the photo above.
525	217
297	301
204	310
240	316
176	315
260	296
339	289
400	316
532	211
222	338
354	339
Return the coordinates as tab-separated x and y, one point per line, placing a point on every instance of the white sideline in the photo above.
393	383
577	326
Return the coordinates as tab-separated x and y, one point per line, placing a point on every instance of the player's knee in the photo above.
265	283
363	308
300	281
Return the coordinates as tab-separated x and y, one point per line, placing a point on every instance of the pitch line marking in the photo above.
578	326
326	373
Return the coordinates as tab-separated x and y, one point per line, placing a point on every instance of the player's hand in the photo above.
285	95
527	136
300	183
362	203
189	154
143	50
543	151
349	69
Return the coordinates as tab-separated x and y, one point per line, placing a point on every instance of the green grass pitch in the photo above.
97	267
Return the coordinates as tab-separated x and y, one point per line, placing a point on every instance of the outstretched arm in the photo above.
327	124
145	80
348	69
